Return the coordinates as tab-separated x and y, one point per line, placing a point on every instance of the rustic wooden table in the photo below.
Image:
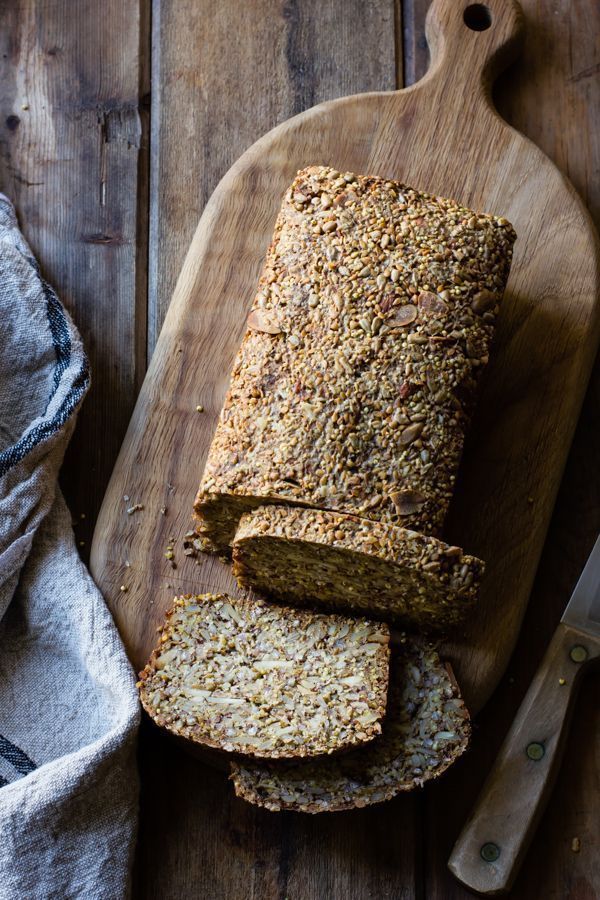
117	119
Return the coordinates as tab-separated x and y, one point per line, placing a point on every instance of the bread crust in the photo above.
355	381
328	560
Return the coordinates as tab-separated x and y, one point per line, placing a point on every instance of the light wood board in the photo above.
441	135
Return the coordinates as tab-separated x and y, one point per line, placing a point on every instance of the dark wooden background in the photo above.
117	118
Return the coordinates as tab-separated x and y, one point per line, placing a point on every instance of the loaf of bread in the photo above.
356	378
426	730
322	559
247	677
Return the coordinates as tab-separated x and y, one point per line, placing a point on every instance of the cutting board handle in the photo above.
470	44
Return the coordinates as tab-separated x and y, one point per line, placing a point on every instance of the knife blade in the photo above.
491	847
583	609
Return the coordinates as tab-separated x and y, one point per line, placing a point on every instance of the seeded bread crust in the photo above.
427	728
252	678
355	381
307	557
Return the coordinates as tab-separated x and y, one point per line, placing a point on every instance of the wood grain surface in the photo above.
73	150
194	839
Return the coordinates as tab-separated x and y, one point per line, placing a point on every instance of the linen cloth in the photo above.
68	704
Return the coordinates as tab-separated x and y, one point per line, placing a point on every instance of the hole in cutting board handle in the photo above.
477	17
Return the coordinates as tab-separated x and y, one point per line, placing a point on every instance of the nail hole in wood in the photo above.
477	17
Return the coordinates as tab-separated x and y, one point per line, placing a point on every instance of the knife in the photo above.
490	849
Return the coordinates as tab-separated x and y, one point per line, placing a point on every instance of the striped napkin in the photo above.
68	705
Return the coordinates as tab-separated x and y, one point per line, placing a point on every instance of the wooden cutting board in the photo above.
441	135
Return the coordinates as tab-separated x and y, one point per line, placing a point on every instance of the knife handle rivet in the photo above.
535	751
578	653
490	852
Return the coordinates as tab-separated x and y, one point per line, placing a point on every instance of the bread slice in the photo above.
307	557
427	728
355	381
253	678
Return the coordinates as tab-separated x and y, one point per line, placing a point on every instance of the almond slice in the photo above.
402	316
262	321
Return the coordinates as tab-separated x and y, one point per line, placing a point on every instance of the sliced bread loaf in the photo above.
426	730
308	557
354	384
248	677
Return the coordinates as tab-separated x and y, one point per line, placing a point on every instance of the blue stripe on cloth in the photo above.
61	339
16	757
3	781
60	334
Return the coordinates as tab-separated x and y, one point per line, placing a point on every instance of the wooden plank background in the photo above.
117	119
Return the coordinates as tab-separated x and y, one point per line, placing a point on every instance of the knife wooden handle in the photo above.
489	851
